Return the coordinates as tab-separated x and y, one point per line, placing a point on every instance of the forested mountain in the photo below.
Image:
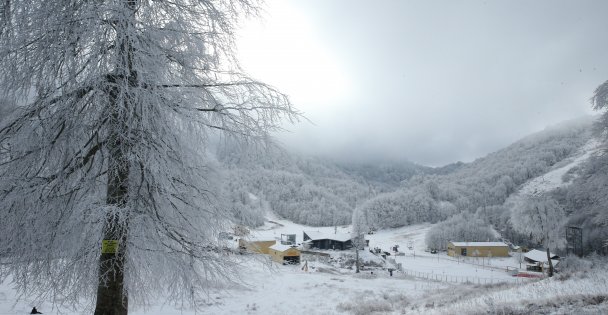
321	192
303	189
387	175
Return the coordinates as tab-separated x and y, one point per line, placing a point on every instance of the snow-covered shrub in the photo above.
573	266
573	263
365	307
573	304
371	303
370	260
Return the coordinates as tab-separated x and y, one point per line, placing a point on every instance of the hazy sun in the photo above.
283	50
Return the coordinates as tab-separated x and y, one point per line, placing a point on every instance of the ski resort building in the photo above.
256	245
321	240
284	254
478	249
536	260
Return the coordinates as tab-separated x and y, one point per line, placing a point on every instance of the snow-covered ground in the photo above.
417	260
270	288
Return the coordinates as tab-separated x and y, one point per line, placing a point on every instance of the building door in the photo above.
287	260
463	251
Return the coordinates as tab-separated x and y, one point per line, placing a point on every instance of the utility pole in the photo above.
550	271
520	257
357	258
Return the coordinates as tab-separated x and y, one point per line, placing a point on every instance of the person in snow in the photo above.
35	311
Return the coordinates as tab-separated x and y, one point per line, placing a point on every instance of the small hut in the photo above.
284	254
536	260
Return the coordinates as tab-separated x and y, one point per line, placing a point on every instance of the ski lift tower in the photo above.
574	237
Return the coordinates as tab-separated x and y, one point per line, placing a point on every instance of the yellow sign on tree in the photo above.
109	246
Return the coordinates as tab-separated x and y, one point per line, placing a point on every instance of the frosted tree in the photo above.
599	101
463	227
542	218
359	229
106	192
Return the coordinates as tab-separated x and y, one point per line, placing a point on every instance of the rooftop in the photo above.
540	256
481	244
281	247
316	235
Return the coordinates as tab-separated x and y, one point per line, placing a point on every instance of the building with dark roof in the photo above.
319	240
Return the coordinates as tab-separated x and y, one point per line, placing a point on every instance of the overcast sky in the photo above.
432	82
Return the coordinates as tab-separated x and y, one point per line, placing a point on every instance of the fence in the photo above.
463	279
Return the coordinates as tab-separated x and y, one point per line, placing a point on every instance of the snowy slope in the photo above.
555	178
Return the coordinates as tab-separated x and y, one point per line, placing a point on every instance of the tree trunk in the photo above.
112	297
550	271
357	258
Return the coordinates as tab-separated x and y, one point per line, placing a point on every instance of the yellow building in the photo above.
478	249
256	246
284	254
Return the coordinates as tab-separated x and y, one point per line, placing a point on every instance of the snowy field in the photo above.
270	288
